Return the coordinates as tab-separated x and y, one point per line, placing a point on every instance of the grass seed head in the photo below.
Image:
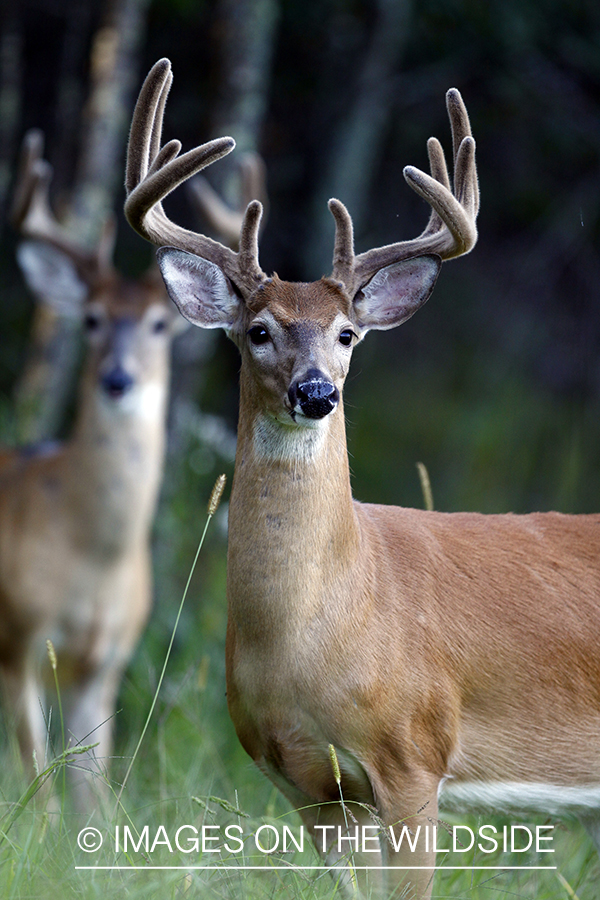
51	653
335	764
216	494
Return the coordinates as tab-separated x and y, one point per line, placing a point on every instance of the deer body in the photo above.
442	655
420	677
74	559
417	643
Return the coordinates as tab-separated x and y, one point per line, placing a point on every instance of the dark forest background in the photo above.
495	384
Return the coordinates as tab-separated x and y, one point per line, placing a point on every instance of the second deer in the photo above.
444	657
75	518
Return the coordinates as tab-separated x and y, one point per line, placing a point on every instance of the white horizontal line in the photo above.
292	867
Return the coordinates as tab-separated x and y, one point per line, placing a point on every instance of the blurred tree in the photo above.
10	94
356	147
114	76
244	32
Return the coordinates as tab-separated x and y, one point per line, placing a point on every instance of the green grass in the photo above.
192	771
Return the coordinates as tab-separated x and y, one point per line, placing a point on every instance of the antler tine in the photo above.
248	252
32	215
32	150
451	229
343	248
461	129
152	174
220	218
146	124
156	135
439	171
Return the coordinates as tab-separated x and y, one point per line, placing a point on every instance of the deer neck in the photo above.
292	525
114	464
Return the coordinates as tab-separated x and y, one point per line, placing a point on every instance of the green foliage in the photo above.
490	446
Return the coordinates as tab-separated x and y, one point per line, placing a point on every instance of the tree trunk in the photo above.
107	114
355	152
11	41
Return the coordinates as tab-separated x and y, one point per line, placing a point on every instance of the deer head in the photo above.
127	323
296	339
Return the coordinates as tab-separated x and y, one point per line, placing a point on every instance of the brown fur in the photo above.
74	536
421	645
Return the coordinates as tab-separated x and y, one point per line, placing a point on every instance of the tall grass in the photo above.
191	772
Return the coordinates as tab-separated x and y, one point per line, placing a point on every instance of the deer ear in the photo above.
52	277
198	288
396	292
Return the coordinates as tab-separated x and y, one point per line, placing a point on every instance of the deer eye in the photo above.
92	322
159	326
258	335
346	336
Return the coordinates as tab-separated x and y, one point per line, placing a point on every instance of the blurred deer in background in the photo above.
75	518
440	655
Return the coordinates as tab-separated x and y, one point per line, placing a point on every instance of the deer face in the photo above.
128	326
296	340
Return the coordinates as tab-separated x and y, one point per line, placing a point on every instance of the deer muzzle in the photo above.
315	396
117	382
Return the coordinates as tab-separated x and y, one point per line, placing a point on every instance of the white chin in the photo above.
283	438
303	421
142	401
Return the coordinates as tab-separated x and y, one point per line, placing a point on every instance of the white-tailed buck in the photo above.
75	518
442	655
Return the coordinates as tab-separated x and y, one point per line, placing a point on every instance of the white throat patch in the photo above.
145	402
289	443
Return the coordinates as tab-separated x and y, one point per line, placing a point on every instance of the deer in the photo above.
76	516
441	657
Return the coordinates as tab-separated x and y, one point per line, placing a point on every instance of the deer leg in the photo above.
89	720
22	695
409	850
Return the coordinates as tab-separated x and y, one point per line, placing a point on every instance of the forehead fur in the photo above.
124	297
320	301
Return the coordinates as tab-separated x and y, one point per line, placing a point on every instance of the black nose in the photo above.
117	382
316	396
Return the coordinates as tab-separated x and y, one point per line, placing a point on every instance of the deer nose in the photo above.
117	382
315	395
